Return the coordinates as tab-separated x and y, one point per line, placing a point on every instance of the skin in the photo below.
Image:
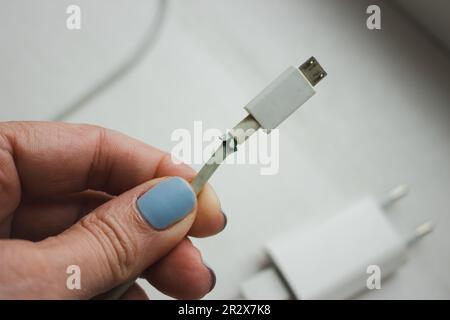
68	194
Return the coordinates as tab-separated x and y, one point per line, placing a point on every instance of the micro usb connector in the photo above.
285	94
267	111
312	71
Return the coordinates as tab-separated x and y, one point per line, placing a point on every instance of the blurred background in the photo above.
381	117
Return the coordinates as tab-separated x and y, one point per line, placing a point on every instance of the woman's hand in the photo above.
94	198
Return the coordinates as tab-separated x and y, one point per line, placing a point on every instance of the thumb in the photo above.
115	242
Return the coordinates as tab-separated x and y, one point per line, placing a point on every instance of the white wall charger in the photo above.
331	260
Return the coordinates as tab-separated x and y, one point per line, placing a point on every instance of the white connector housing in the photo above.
330	261
280	99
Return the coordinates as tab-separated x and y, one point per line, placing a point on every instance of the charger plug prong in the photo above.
421	231
394	195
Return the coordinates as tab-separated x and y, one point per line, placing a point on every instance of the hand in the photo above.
92	197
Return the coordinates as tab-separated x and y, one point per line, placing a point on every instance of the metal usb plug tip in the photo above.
312	71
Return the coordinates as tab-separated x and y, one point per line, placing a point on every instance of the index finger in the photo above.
59	158
53	158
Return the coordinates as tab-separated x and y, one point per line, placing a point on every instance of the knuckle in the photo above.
116	242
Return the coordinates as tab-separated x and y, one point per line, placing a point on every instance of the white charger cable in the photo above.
267	110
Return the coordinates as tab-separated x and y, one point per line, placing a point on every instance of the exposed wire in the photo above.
238	135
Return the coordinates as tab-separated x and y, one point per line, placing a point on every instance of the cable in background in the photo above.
124	68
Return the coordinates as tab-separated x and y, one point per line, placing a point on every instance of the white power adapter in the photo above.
331	261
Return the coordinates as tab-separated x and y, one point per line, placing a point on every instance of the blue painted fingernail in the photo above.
167	202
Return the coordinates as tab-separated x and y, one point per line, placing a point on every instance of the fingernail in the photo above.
225	220
213	276
167	202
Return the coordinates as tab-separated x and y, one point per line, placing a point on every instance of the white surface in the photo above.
45	67
380	118
330	261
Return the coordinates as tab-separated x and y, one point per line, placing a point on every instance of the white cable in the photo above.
267	110
241	132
